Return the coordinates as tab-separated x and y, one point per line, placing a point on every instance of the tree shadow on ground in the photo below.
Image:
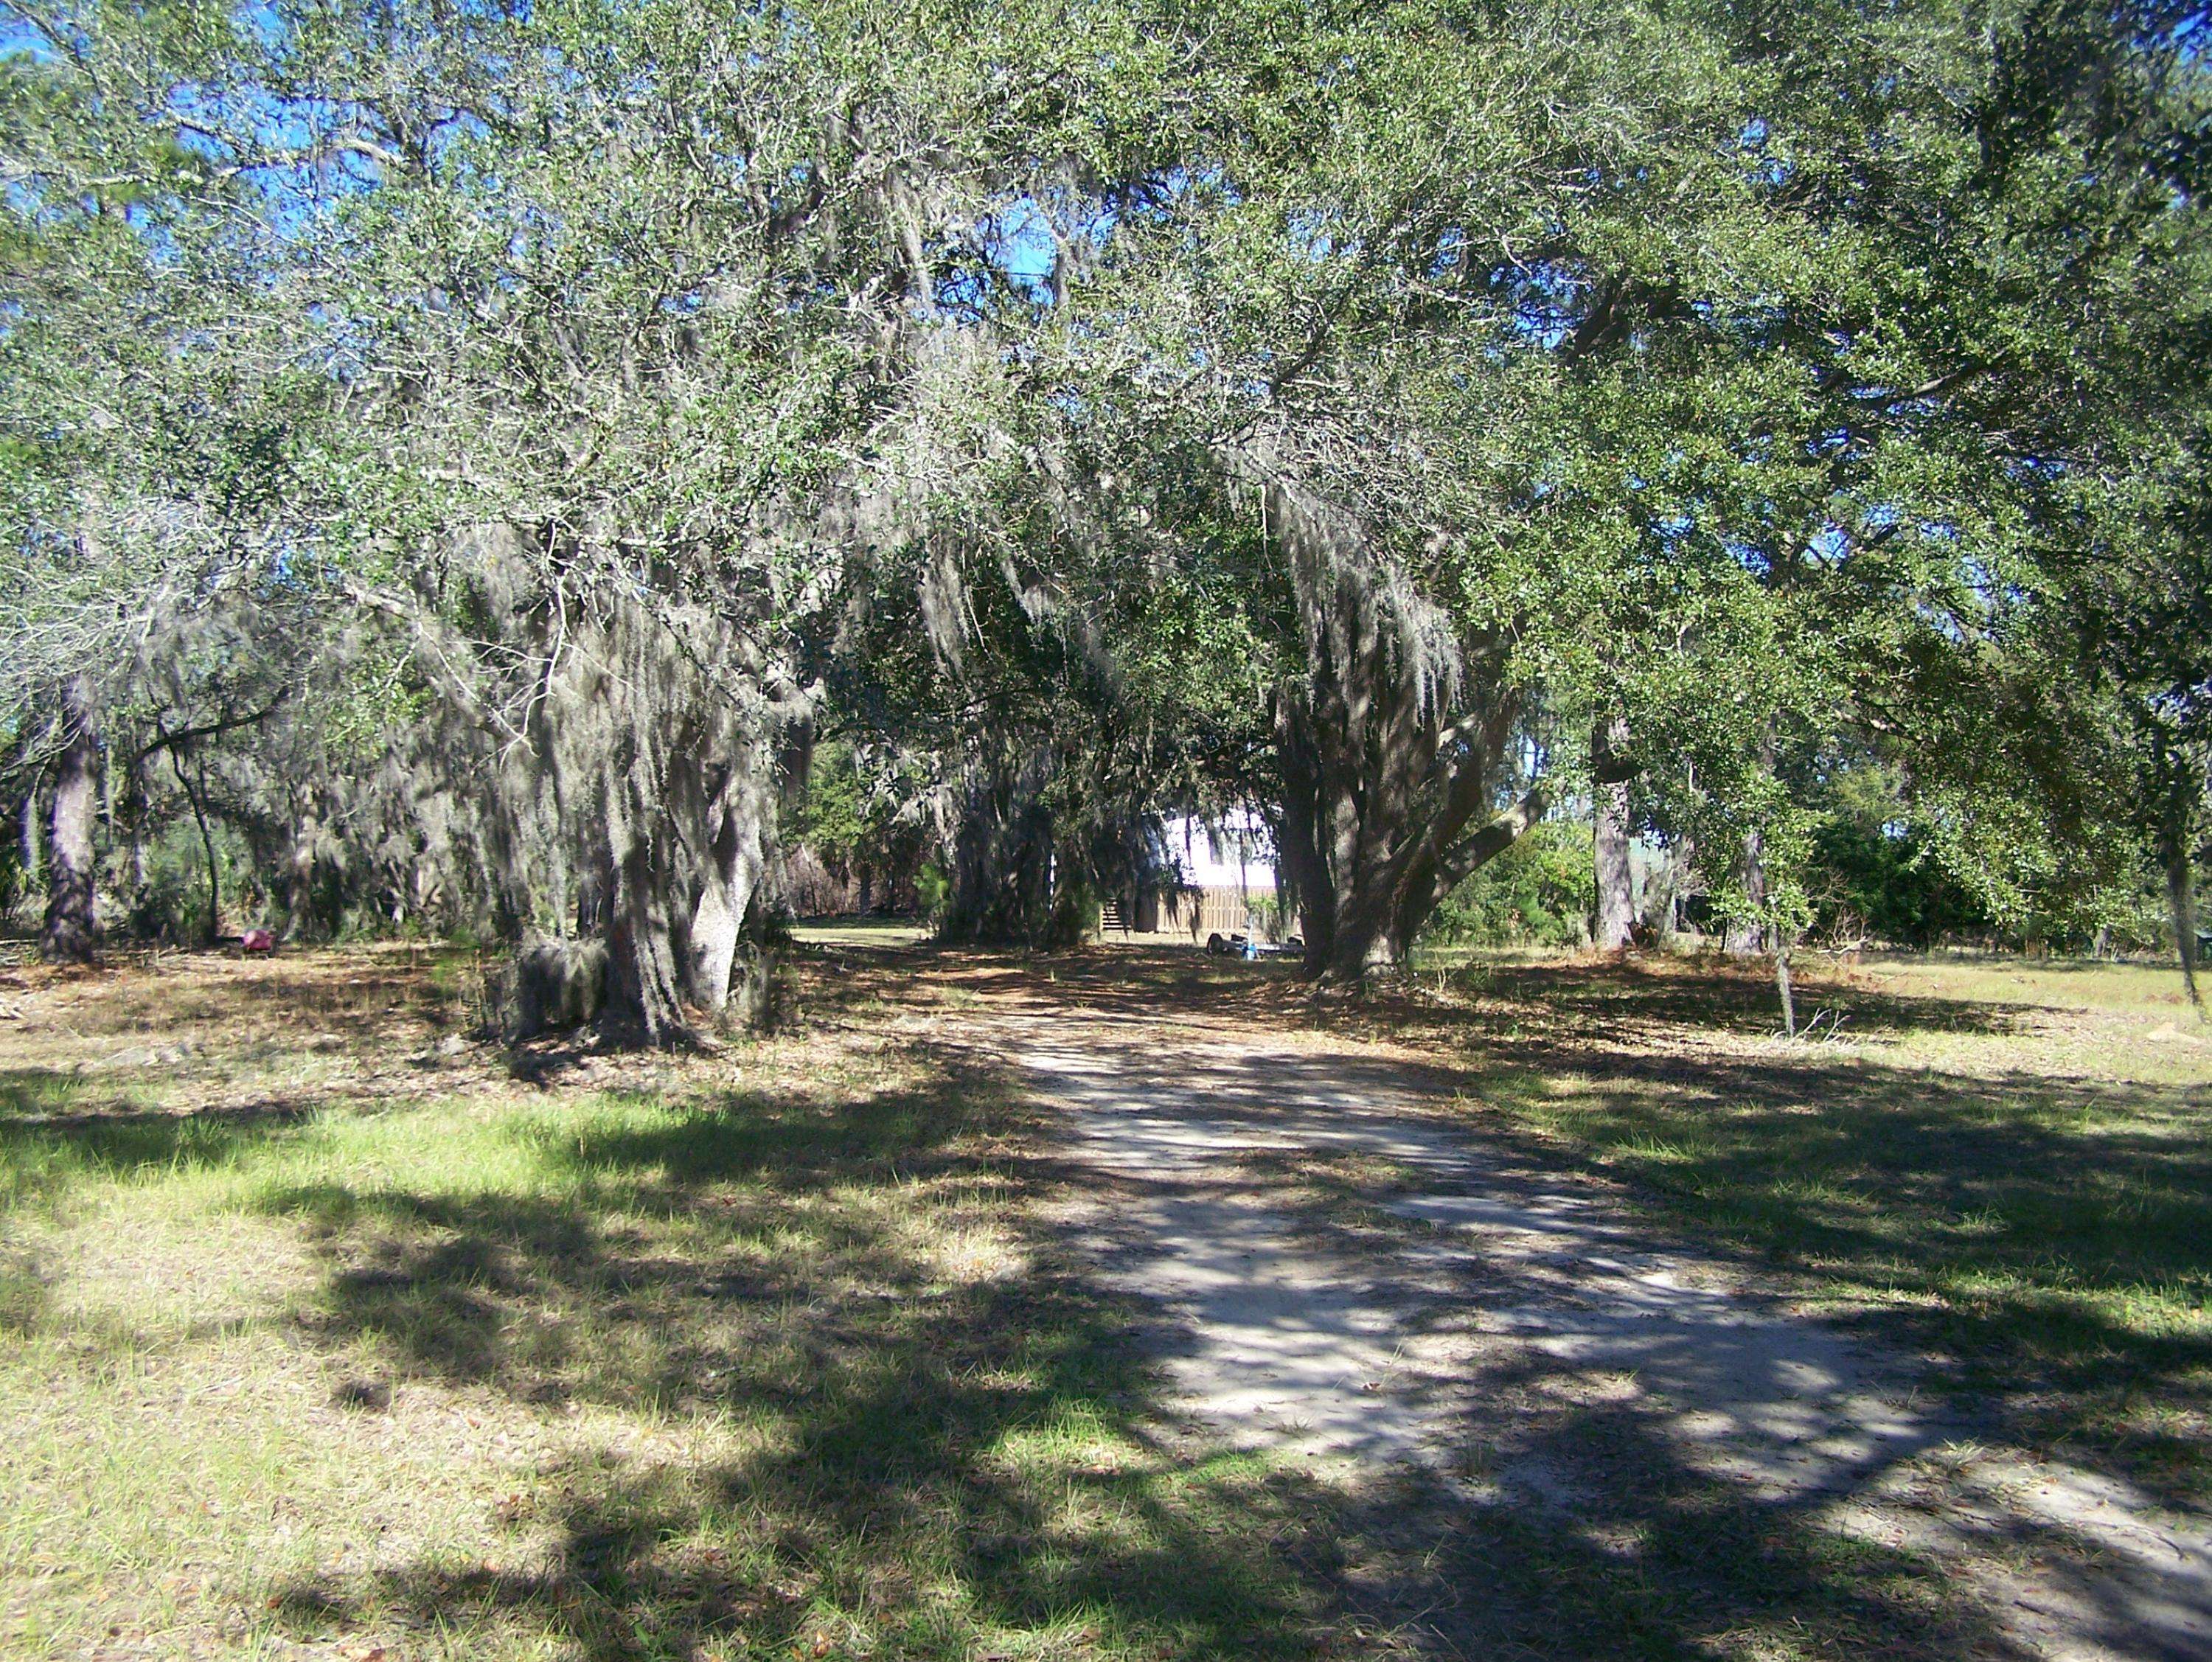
1604	1002
917	1460
2048	1240
53	1135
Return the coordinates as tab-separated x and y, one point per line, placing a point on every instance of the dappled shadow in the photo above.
1999	1225
39	1093
931	1427
2003	1225
1612	1000
1606	1001
917	1440
322	998
1694	1445
2011	1227
984	1465
66	1136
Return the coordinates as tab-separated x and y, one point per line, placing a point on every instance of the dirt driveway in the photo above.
1341	1275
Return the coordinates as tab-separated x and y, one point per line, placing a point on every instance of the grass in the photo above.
325	1331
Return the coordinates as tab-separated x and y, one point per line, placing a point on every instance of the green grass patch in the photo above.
775	1353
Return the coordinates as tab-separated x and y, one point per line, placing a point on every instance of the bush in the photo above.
931	890
1539	892
1885	882
172	905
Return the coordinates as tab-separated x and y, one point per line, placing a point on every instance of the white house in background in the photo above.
1222	868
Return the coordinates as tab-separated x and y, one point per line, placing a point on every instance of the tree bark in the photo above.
133	818
644	984
1667	886
2181	903
1614	918
1389	745
33	843
736	855
71	930
1746	937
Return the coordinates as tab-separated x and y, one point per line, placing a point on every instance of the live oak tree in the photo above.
1522	362
141	479
1417	418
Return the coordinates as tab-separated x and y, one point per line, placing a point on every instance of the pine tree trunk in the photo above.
71	931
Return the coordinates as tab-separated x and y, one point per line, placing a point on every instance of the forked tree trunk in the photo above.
1388	746
1615	917
71	931
736	855
683	886
195	797
1368	867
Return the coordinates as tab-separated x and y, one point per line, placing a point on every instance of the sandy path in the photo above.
1342	1277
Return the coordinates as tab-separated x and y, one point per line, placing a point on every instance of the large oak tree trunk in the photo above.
1000	843
645	989
71	931
1668	886
1388	747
